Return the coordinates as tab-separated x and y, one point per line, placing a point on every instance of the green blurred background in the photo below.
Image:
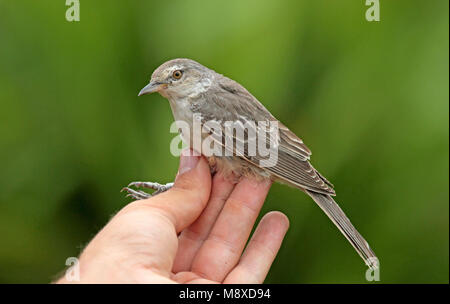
369	98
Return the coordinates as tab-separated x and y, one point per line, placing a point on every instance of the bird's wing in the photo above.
236	104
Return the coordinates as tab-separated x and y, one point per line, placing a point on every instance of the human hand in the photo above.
194	233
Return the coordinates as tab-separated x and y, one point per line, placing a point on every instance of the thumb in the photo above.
185	201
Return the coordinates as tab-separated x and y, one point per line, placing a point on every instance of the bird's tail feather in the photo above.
335	213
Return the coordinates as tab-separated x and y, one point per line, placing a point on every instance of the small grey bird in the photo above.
196	91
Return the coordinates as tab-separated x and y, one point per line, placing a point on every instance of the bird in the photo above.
200	95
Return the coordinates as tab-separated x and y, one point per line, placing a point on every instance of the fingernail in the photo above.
188	161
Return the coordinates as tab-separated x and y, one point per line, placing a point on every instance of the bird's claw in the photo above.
137	194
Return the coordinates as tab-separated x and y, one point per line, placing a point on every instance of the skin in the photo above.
194	233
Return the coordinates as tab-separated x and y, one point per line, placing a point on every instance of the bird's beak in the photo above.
152	87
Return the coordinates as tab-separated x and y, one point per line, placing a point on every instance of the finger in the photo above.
193	236
185	201
190	278
261	250
221	250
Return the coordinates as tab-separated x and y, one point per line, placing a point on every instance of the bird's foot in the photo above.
139	195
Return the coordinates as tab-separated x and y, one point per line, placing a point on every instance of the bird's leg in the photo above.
137	194
212	165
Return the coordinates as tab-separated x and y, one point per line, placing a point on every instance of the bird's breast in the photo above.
181	110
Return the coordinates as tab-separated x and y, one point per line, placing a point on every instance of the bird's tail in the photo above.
335	213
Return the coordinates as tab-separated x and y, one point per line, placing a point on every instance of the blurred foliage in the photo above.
369	98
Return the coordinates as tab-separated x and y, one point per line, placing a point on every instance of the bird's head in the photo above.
179	78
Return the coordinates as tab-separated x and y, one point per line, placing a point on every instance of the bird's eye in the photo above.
177	74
